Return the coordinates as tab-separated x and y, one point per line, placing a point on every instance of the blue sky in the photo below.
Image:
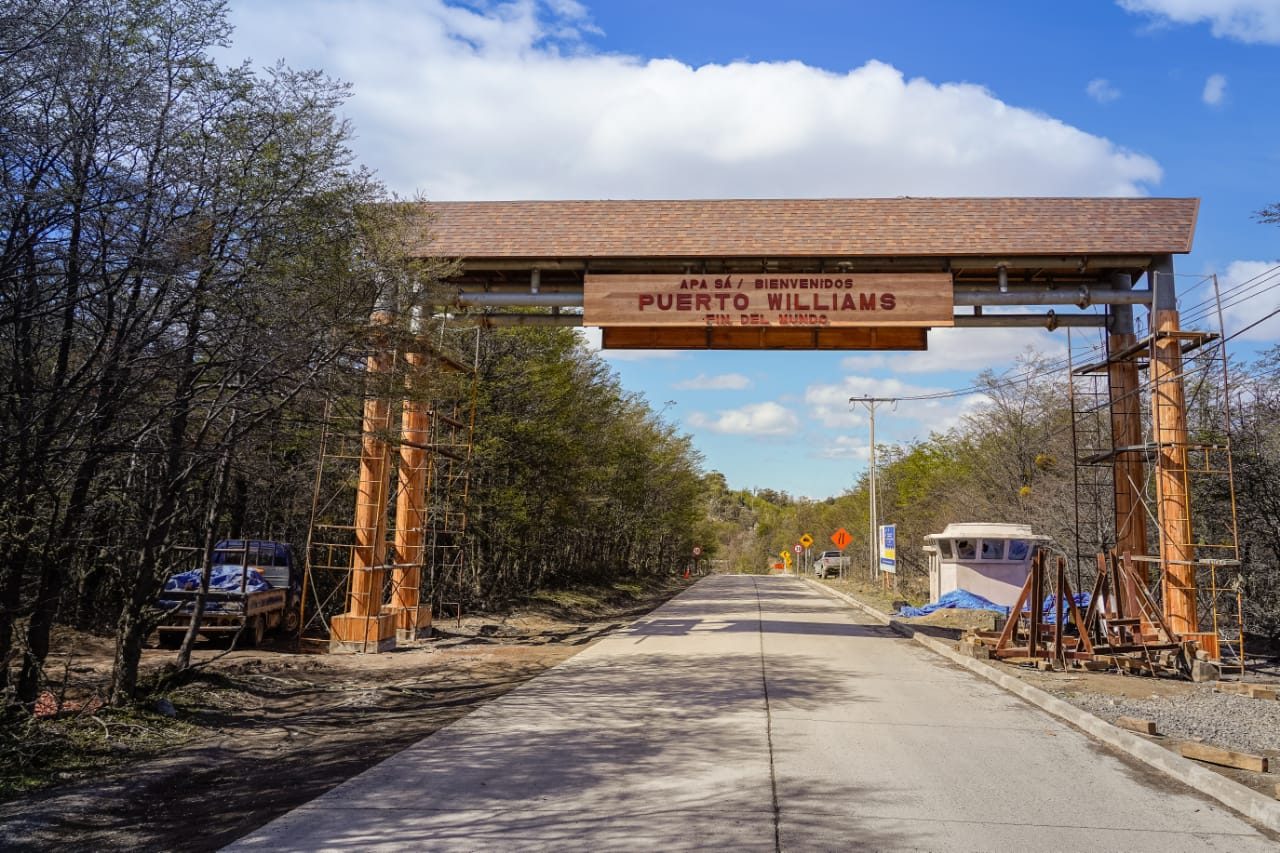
567	99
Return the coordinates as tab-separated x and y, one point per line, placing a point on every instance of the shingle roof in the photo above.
867	227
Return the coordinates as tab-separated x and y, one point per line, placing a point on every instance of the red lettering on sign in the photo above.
887	301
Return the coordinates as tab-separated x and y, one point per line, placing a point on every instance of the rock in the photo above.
1203	670
165	708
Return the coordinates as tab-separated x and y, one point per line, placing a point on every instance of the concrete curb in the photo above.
1247	801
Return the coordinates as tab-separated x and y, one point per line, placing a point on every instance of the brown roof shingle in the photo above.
862	227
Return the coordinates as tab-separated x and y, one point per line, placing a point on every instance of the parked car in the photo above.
830	563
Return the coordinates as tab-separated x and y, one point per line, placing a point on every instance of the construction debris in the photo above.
1133	724
1225	757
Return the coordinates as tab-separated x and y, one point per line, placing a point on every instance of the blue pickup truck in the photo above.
255	587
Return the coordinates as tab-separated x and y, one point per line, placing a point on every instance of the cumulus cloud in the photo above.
972	350
1102	91
719	382
767	418
846	447
830	404
1251	21
1215	89
512	100
1250	290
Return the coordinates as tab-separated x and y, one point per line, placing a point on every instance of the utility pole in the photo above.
874	528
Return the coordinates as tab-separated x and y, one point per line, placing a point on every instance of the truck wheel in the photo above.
256	631
289	624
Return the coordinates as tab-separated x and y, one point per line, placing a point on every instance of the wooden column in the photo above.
1128	471
364	627
412	616
1169	419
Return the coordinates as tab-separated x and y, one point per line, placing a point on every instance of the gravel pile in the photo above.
1219	719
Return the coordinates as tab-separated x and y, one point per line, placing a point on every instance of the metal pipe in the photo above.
477	299
1049	320
1081	297
496	321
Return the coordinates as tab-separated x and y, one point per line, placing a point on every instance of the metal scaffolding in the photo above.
418	499
1161	477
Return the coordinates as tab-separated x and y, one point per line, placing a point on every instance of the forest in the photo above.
189	258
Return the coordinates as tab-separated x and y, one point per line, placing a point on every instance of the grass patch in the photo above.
38	752
589	602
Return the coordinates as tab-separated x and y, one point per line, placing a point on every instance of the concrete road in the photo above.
757	713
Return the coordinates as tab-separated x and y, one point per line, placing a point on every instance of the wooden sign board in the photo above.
764	338
782	301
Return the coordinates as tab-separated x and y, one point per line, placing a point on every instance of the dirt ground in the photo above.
261	732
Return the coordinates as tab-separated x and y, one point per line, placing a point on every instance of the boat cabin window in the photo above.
966	549
993	549
1018	549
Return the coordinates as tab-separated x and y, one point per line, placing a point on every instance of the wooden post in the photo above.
364	627
406	580
370	552
1169	419
1128	471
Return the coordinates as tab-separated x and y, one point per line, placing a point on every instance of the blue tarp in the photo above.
961	599
1051	614
223	578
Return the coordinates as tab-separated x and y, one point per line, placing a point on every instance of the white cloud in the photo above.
1215	89
720	382
511	102
846	447
1102	91
1251	21
969	350
753	419
830	404
1250	290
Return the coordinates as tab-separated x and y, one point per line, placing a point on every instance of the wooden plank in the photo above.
1134	724
1011	624
804	299
1036	599
1252	691
1225	757
1059	609
763	338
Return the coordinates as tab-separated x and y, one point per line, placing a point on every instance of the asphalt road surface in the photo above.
757	713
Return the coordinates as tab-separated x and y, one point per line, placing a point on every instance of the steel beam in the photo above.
1082	297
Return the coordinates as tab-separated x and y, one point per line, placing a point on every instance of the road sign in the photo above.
841	538
697	550
806	540
798	548
888	550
